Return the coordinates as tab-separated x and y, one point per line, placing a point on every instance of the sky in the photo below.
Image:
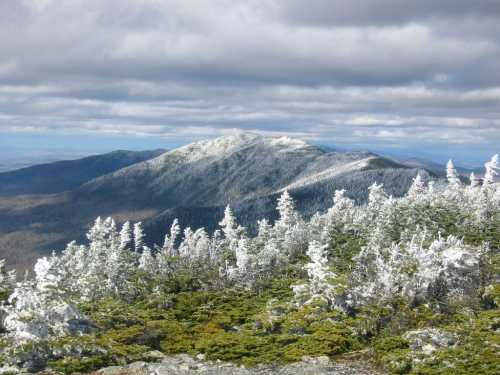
414	78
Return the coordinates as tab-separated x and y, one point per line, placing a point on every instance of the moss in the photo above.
475	353
71	365
390	343
397	361
239	347
263	327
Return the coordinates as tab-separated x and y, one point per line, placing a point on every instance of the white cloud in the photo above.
328	70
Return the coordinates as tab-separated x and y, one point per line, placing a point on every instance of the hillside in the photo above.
65	175
194	183
407	285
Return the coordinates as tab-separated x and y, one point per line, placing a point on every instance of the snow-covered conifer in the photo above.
138	237
474	180
7	279
319	285
37	309
376	196
452	174
232	231
228	223
417	188
340	217
286	209
126	236
270	256
264	231
170	241
242	256
492	170
147	262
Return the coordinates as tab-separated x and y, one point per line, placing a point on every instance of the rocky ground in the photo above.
184	364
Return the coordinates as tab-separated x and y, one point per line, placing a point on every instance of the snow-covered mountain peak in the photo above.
288	142
223	146
219	146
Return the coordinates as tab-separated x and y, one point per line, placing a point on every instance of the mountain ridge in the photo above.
196	182
59	176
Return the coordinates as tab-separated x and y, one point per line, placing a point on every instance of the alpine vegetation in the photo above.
413	279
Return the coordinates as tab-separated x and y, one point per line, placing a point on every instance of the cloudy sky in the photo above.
408	77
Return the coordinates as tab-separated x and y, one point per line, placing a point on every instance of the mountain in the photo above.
439	169
65	175
194	183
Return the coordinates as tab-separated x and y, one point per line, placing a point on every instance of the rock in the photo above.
111	370
80	326
184	367
323	360
153	356
184	364
429	340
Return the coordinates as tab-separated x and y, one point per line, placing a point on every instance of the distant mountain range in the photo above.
439	169
192	183
65	175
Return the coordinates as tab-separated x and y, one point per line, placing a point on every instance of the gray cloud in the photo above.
338	71
384	12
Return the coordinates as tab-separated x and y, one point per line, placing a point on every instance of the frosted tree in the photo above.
271	256
228	223
147	261
7	280
216	245
492	169
73	265
264	232
187	245
202	244
412	270
474	180
232	231
319	285
340	218
37	309
170	241
168	250
342	211
93	283
417	188
452	174
195	245
243	270
376	196
288	216
289	229
126	236
138	237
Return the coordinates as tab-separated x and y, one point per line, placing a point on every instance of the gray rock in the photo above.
153	356
80	326
430	339
183	364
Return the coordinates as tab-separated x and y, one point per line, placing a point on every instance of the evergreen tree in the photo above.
232	231
126	236
452	174
288	216
319	285
138	237
474	181
492	170
417	189
7	280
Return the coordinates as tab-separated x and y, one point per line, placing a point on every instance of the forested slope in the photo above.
409	283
